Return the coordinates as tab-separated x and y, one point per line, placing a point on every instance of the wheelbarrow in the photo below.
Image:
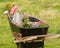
22	36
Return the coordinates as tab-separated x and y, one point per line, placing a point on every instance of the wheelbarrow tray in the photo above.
29	31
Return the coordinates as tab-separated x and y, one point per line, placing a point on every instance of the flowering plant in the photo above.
26	23
10	9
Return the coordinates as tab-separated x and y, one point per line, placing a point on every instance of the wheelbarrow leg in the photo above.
20	45
42	44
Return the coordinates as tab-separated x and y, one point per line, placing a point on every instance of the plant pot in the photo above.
33	31
29	31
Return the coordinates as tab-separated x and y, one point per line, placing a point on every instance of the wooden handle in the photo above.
45	36
31	38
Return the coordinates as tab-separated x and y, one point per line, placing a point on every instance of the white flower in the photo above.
6	12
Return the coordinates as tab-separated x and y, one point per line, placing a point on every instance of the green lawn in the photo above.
47	10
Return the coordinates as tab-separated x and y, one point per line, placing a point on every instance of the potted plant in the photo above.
29	26
34	27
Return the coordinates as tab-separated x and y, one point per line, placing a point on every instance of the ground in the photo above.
47	10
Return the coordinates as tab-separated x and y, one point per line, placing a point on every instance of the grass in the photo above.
47	10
